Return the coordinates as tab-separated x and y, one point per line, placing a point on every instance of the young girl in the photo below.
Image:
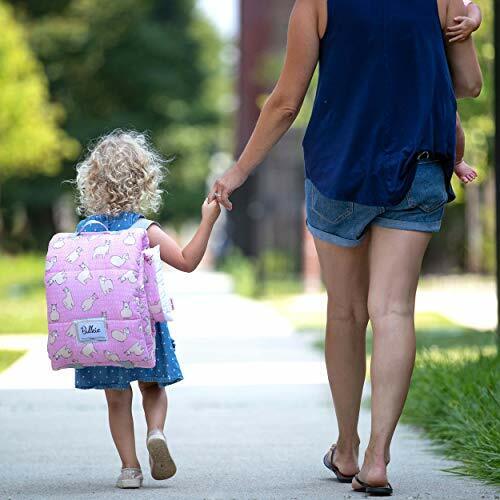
117	182
462	29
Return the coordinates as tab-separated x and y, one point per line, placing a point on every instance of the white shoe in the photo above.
130	478
162	465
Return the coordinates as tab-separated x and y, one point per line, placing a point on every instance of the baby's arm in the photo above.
465	25
474	12
188	258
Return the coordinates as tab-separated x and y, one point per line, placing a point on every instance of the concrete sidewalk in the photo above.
252	420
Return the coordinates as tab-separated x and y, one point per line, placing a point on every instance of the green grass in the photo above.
22	296
9	357
455	399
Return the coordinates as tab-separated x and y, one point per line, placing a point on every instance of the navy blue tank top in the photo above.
384	95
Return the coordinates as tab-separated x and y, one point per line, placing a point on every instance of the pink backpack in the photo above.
105	291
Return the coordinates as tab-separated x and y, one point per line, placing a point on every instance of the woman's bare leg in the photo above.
345	274
154	402
395	263
121	424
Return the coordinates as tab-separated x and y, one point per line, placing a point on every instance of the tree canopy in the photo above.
31	140
149	65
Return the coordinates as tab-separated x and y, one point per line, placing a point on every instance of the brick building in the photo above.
270	214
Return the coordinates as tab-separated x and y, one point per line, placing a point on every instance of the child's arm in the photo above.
188	258
465	25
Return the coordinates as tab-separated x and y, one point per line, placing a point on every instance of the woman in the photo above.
379	154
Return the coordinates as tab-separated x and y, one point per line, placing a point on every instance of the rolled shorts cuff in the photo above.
333	238
404	225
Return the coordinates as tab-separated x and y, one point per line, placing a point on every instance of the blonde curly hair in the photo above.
121	173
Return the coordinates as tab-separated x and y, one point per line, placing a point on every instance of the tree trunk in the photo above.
473	225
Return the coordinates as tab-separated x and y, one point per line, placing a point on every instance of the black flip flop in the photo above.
376	491
328	461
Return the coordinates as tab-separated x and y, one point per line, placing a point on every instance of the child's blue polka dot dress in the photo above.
166	371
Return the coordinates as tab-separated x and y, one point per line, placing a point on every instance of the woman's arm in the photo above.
284	103
462	57
188	258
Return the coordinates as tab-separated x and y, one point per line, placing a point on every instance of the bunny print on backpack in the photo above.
126	312
85	275
58	278
88	303
49	264
106	284
74	255
102	251
68	301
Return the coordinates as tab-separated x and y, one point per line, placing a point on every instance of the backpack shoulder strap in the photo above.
143	223
81	229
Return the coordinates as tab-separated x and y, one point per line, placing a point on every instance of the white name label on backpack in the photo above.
91	330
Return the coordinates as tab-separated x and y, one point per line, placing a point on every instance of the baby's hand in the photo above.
210	211
462	30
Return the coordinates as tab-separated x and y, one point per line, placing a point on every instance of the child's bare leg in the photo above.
121	424
154	402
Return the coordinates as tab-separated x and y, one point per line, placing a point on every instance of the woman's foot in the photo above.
344	459
162	465
370	490
465	172
130	478
373	472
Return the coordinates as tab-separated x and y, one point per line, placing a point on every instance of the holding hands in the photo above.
225	186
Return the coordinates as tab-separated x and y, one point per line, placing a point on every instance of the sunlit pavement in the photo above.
251	421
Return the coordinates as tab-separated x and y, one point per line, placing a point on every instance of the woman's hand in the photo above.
224	187
210	212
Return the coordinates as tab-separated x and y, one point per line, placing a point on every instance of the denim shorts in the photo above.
345	223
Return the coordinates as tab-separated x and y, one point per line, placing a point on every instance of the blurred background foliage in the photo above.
31	139
73	70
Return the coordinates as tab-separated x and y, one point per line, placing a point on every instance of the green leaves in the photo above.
144	64
31	140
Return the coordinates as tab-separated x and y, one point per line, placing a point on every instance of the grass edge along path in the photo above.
8	357
455	398
22	294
